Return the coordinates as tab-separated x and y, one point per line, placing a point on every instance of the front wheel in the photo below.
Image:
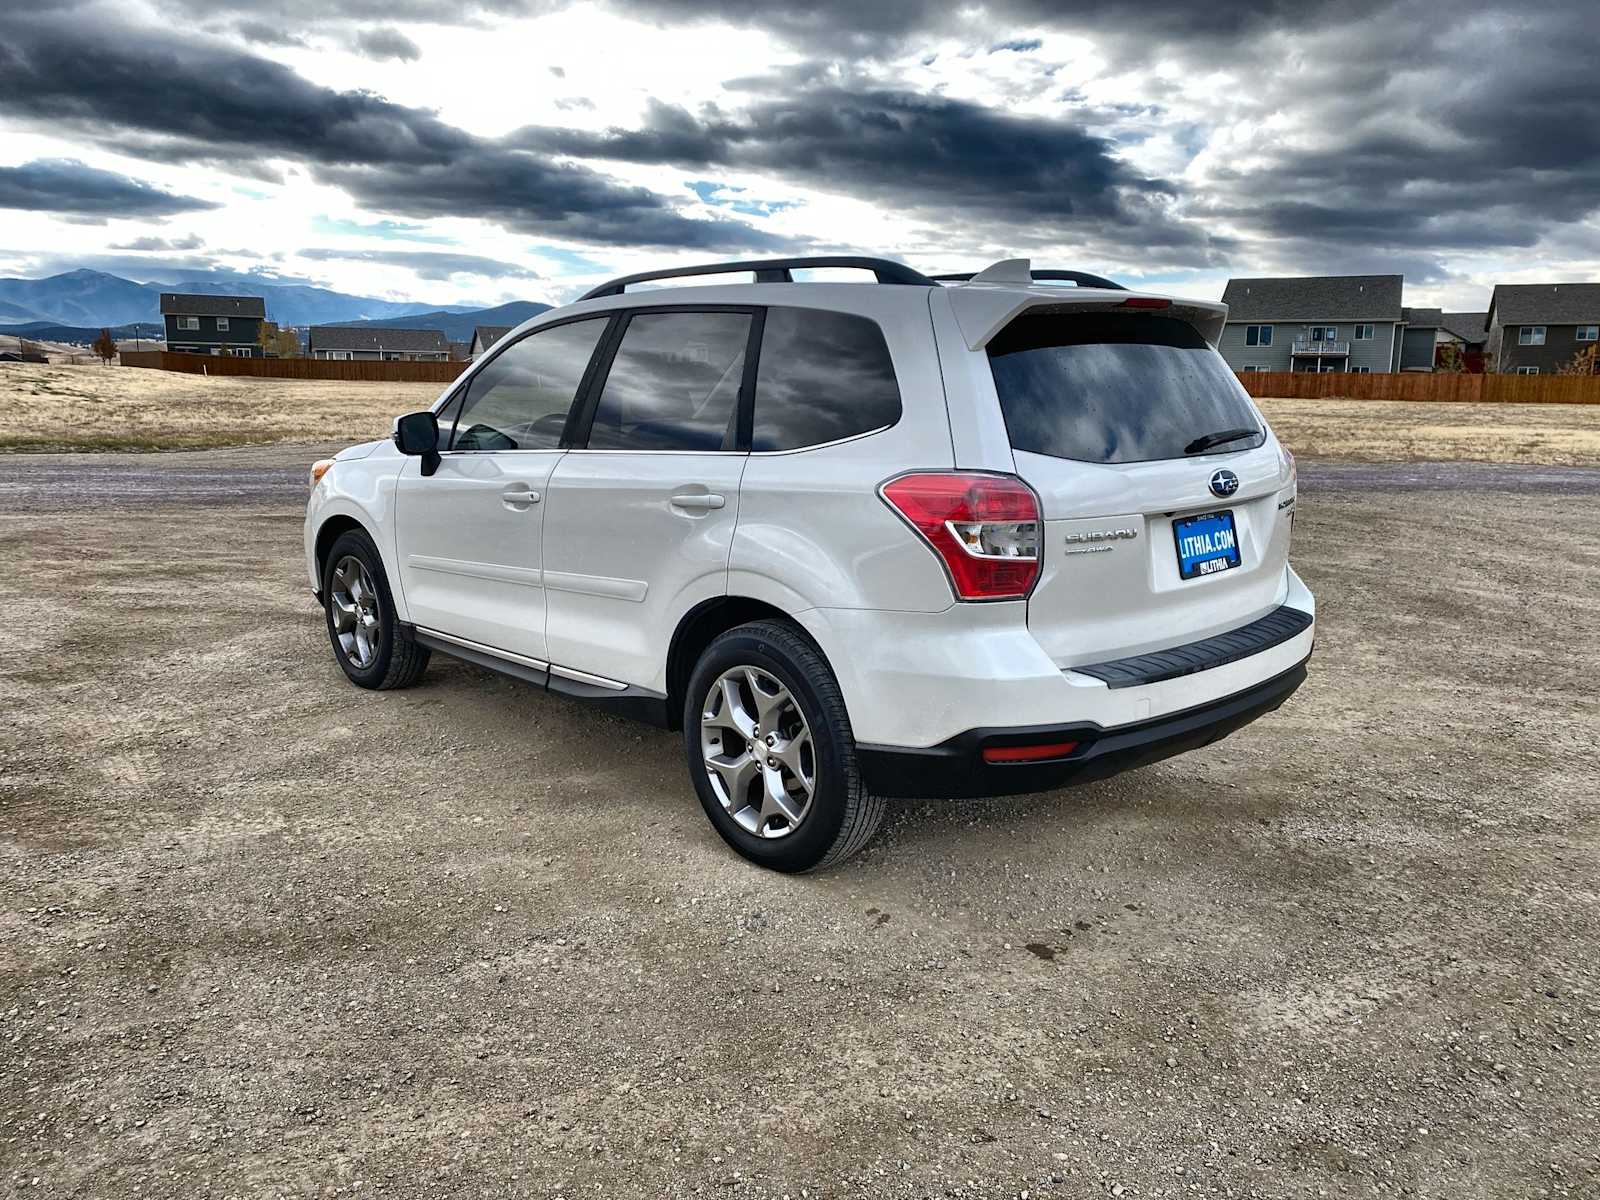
366	638
771	752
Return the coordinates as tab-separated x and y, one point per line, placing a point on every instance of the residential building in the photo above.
1468	332
1314	323
485	336
1419	337
377	343
460	351
213	324
1538	328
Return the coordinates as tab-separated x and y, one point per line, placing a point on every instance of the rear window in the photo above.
1115	388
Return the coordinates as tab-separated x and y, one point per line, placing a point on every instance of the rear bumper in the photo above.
956	768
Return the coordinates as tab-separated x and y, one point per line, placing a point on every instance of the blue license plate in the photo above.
1206	544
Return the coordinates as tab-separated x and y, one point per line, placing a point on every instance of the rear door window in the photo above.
1116	388
519	400
822	376
674	383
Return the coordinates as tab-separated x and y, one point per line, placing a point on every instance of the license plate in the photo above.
1206	544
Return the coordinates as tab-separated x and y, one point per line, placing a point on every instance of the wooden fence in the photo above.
1436	387
296	368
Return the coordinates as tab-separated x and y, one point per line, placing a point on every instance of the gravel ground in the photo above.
262	933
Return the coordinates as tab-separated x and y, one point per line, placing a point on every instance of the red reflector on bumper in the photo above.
1016	754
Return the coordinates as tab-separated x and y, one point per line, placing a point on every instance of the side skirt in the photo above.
635	703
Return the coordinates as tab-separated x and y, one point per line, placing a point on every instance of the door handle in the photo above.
699	501
520	497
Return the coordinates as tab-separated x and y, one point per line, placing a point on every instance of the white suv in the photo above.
973	535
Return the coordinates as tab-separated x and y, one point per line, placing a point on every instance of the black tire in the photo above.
843	815
399	662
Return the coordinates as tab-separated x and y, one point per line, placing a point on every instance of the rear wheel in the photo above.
771	752
366	637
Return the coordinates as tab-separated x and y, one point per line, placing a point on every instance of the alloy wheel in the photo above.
353	604
758	752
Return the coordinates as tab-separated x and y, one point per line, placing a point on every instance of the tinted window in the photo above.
674	384
519	399
822	376
1114	389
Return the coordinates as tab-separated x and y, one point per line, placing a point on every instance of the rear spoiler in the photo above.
983	311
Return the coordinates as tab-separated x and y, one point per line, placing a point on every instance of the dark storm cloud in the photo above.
428	264
922	154
386	42
149	94
69	188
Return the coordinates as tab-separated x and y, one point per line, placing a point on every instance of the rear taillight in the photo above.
984	528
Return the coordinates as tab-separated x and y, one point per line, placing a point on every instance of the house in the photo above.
377	343
460	351
485	336
213	324
1316	323
1468	333
1419	338
1537	328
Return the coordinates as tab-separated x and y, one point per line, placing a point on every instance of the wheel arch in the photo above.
702	625
328	533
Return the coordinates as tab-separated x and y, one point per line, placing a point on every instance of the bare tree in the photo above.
1584	362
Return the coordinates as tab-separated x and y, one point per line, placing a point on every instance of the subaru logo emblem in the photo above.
1224	483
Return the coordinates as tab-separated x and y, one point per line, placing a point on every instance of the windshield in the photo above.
1117	388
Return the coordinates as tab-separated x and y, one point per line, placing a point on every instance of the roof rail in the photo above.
1081	278
769	270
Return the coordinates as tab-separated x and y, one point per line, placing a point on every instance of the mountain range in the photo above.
458	326
91	299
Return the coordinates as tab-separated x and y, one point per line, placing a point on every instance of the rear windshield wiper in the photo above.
1217	439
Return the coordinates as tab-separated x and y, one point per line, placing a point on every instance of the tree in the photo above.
1584	362
267	337
1452	359
288	344
105	346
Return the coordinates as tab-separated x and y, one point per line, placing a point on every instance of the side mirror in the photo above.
418	434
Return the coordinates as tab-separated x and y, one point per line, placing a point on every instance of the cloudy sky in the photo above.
476	151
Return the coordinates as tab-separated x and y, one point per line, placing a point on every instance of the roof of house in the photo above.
1546	303
487	335
180	304
1314	298
1422	318
378	337
1469	327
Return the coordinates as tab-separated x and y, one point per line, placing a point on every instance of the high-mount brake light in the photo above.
984	528
1145	302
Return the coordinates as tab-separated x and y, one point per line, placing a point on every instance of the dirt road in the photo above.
264	934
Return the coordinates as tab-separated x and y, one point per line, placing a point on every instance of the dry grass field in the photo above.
89	407
1391	431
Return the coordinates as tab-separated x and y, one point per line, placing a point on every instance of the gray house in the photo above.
485	336
213	324
1537	328
1419	338
1469	333
376	343
1316	323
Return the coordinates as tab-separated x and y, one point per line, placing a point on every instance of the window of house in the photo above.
222	322
1361	370
1527	370
1530	335
1363	333
822	376
188	322
1258	335
674	383
1324	333
1589	333
1249	369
